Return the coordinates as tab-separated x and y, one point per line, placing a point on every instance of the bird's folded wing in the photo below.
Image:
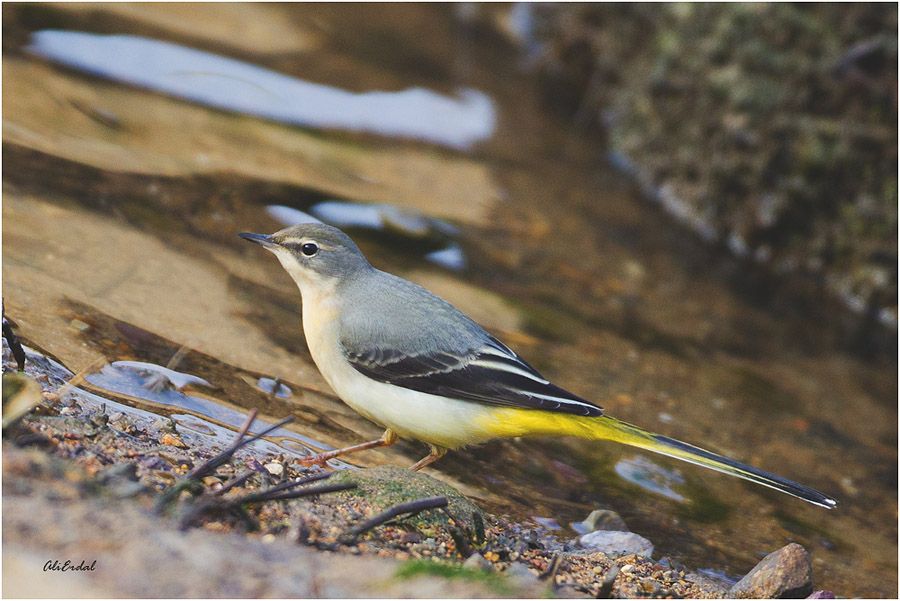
491	374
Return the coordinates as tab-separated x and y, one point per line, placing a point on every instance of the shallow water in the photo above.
121	207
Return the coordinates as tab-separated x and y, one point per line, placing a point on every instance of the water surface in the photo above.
122	204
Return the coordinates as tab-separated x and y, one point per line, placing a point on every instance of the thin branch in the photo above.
269	495
412	508
14	345
210	466
236	481
552	569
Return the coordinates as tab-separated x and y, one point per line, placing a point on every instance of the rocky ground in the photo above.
106	490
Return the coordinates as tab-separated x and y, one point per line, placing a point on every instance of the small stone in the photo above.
212	482
164	424
785	573
476	561
616	543
79	325
99	419
601	519
650	586
172	440
275	468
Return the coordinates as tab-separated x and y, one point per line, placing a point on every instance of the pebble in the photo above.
164	424
616	543
784	573
79	325
274	468
212	482
172	440
600	519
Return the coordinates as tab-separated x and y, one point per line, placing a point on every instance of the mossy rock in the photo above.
385	486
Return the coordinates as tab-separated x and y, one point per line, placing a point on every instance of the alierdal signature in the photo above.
54	565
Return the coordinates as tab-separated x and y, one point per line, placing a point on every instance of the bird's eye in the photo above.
309	249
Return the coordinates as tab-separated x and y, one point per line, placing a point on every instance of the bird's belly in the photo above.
447	423
444	422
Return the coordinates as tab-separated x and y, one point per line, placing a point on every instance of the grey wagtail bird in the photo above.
414	364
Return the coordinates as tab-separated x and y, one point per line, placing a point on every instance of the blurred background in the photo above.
687	213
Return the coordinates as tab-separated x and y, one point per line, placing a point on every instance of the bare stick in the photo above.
268	495
14	345
209	466
236	481
412	508
80	376
552	569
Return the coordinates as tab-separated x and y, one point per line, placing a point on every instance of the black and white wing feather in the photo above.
491	374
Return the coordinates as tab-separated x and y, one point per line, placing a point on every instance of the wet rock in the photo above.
385	486
782	574
601	519
615	543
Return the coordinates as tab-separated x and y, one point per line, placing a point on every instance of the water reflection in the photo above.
643	472
225	83
134	380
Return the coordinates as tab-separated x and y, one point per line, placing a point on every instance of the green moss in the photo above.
385	486
442	569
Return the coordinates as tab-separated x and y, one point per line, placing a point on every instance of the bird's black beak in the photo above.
261	239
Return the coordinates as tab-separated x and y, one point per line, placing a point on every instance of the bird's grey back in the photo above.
388	312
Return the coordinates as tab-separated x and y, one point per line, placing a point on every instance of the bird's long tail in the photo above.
609	428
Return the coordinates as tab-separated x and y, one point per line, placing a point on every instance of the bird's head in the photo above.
313	253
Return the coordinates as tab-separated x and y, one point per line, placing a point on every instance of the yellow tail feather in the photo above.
522	422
